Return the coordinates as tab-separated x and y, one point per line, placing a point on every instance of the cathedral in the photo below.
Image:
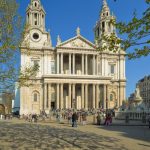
74	73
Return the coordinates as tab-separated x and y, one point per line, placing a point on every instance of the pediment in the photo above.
78	42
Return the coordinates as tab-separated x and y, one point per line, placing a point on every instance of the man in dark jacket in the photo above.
74	119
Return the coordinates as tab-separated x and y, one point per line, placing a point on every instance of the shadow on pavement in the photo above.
42	137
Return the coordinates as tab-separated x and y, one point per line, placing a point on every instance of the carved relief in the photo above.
78	44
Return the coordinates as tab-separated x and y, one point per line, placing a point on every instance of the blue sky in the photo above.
64	16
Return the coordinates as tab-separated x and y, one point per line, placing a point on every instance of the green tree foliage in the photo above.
137	33
11	35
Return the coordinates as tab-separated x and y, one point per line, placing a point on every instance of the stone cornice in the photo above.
90	77
77	81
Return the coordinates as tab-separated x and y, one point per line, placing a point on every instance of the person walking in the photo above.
74	119
69	117
98	119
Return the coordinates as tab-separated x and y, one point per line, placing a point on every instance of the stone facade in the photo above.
74	74
144	86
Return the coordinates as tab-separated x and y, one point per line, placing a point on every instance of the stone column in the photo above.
124	66
73	95
86	96
104	97
57	63
62	63
94	66
31	18
49	96
62	96
103	66
40	19
69	63
97	96
107	97
57	100
86	64
73	63
69	100
82	64
45	96
83	102
93	96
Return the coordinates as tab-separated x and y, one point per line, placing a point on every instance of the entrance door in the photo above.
52	105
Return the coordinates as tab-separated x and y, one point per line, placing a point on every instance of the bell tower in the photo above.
35	15
104	25
36	35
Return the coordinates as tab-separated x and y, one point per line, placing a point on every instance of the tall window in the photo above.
103	26
111	97
52	67
35	4
36	63
112	69
35	97
36	66
35	16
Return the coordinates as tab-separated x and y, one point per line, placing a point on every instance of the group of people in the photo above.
6	116
76	116
72	116
30	117
101	116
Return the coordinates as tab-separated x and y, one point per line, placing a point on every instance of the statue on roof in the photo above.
78	31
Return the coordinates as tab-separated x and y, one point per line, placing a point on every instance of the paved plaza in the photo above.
21	135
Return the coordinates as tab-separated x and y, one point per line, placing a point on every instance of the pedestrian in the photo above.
84	119
69	117
74	119
108	119
98	119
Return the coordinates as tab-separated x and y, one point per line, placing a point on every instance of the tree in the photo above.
137	33
12	32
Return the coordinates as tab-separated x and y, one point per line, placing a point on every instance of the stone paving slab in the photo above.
50	135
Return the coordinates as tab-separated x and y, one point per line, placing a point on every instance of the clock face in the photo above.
35	35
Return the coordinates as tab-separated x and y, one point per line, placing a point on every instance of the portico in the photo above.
77	64
74	95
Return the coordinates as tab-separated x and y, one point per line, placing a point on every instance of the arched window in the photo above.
36	96
35	4
111	97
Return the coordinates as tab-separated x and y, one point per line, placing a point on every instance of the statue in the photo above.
137	97
78	31
137	92
58	40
